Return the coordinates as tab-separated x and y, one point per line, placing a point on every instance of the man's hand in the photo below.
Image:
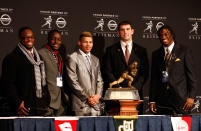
153	107
93	99
188	105
22	111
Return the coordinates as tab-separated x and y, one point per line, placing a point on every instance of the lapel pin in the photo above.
177	60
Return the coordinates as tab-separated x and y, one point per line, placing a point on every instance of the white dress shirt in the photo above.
123	46
170	48
87	58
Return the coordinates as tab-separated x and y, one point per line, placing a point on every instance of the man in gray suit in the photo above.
85	79
54	63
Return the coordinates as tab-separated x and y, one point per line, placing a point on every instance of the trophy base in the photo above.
121	94
122	101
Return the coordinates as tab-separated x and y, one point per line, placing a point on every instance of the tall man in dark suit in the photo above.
55	73
173	80
119	56
23	76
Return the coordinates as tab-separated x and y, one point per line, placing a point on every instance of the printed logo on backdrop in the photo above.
6	20
125	123
65	125
151	25
105	25
194	32
126	126
196	106
54	20
181	123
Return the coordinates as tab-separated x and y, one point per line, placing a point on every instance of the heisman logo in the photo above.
48	21
127	126
5	19
100	24
149	26
182	126
196	107
194	28
66	126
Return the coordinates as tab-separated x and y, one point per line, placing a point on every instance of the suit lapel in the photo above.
82	59
120	53
161	58
174	53
132	55
93	66
53	60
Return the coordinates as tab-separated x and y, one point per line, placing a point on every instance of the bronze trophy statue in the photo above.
127	75
123	100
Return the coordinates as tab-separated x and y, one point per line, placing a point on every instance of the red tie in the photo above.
127	54
32	55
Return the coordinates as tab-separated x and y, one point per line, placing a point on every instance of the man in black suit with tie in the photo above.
173	80
120	55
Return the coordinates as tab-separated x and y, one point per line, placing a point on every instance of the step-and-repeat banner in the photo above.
101	18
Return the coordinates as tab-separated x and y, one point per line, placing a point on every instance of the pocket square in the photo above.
177	60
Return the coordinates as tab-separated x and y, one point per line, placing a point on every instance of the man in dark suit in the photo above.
173	80
23	78
119	56
55	68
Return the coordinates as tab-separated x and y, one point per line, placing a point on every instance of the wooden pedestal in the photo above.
128	107
122	107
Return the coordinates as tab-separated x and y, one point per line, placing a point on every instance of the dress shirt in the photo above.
169	48
123	46
85	56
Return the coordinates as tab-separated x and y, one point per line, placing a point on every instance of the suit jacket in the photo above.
182	78
51	74
19	82
114	65
82	81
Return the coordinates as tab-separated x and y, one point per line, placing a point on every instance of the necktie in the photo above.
32	55
167	56
88	62
127	54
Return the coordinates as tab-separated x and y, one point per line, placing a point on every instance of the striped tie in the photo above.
88	62
167	57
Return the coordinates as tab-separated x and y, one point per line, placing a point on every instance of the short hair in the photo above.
85	34
22	29
51	32
124	23
168	28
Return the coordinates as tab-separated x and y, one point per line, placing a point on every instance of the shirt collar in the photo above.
31	51
84	54
123	44
169	47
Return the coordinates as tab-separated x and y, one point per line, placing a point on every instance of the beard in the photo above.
26	46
